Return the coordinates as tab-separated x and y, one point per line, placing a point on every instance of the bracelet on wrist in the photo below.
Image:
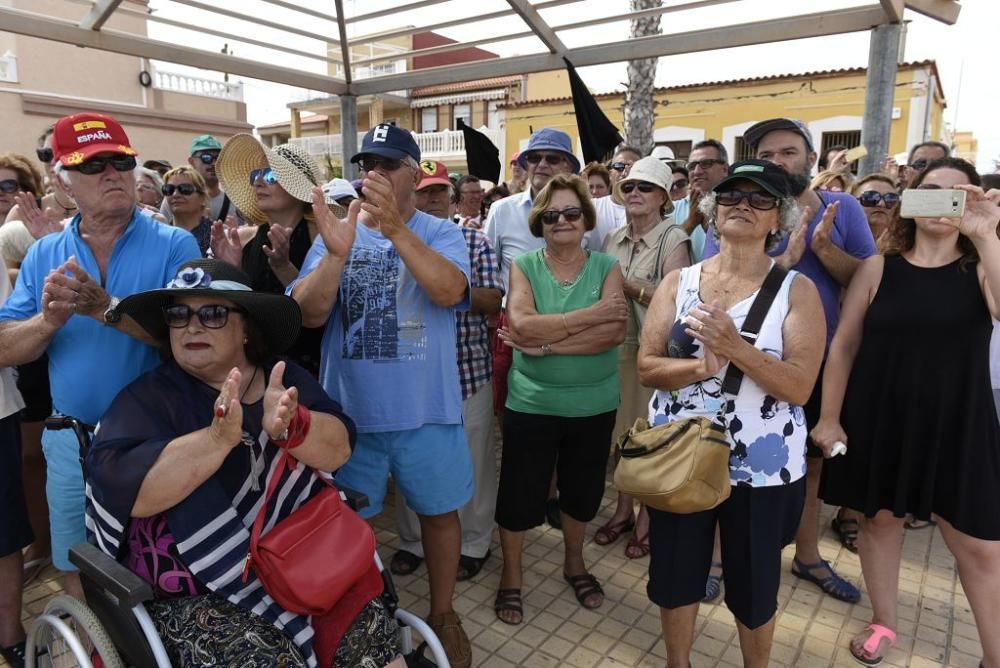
297	430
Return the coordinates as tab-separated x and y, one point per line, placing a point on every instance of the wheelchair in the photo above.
114	626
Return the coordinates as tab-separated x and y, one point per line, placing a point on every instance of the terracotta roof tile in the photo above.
462	86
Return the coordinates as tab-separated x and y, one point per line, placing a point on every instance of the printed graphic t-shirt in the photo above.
389	352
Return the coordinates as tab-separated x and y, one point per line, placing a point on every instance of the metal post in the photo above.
879	95
349	134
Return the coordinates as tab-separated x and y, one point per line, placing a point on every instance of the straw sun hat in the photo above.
297	171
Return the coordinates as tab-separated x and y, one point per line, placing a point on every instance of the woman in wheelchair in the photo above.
180	469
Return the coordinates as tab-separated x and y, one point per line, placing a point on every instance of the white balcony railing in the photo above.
184	83
433	145
8	67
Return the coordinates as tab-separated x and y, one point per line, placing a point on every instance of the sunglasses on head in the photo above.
121	163
265	174
212	316
645	188
208	158
44	155
705	163
370	163
571	214
677	185
870	198
549	158
9	186
761	201
621	166
182	188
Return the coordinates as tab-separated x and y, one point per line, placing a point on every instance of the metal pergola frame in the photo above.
91	32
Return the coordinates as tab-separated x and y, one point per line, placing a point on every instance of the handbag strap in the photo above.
272	486
754	321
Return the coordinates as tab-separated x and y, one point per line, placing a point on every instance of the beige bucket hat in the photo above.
297	172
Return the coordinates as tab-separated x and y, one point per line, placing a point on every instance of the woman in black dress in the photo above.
907	380
273	188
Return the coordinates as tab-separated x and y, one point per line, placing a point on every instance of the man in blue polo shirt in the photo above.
828	251
65	298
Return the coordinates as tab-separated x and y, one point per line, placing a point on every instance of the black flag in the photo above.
598	135
481	154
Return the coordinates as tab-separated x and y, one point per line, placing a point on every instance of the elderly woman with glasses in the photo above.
878	196
273	188
648	248
184	189
189	451
566	316
690	338
148	188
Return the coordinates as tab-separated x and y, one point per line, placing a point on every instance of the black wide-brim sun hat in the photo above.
278	317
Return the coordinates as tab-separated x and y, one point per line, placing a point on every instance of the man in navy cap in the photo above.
386	282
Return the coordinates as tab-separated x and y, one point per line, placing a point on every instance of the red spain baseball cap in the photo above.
81	136
433	173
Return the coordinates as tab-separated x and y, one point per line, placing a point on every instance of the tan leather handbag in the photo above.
680	467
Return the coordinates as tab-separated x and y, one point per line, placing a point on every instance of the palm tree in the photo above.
639	109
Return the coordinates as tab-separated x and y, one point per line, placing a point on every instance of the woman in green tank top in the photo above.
567	315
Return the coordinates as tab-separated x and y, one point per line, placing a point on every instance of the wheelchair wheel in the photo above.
67	635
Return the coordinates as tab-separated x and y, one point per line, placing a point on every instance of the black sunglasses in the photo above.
870	198
268	176
121	163
182	188
44	155
705	163
676	185
758	200
370	163
208	158
9	186
621	166
549	158
918	165
212	316
645	188
571	214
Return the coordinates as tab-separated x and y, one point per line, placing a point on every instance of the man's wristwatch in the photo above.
111	315
546	350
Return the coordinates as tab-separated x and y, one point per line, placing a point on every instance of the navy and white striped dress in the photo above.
212	525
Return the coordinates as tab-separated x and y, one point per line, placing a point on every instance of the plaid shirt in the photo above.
475	364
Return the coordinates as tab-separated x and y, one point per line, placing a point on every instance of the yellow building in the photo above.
831	103
966	146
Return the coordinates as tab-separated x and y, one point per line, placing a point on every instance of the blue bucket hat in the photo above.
388	141
548	139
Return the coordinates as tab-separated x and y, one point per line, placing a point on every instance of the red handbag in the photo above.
313	556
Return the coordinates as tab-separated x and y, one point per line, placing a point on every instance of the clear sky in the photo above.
960	50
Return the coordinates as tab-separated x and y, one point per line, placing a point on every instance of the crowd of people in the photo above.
246	333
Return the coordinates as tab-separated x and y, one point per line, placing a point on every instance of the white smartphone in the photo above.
856	153
942	203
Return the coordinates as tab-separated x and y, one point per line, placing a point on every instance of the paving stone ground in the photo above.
936	626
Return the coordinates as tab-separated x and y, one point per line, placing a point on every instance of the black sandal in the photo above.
15	655
509	600
847	530
583	586
404	563
469	567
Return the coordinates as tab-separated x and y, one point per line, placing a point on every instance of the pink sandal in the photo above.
871	646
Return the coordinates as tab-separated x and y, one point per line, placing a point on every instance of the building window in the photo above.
849	138
492	120
681	149
743	151
429	119
463	111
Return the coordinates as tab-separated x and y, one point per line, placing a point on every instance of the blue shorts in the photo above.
64	489
430	465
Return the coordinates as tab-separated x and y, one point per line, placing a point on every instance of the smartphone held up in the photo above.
937	203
